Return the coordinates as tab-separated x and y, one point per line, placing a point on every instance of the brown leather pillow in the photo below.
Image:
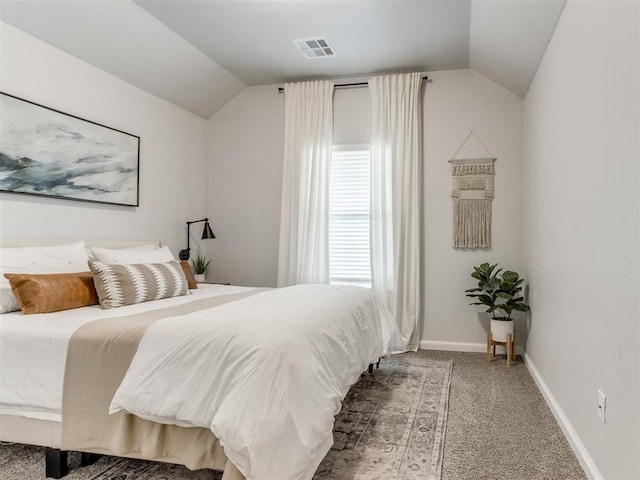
191	280
45	293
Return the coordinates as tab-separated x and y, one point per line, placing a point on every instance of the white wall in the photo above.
456	103
245	185
246	147
172	150
351	115
581	229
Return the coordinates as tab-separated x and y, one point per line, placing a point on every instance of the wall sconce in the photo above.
207	233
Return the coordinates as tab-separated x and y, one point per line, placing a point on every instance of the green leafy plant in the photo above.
498	290
200	264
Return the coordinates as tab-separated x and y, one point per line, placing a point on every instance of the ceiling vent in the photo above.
317	47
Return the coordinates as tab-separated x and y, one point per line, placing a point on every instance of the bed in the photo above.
266	370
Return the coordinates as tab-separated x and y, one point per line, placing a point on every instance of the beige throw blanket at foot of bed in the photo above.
98	357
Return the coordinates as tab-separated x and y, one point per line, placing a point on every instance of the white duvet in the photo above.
266	374
33	351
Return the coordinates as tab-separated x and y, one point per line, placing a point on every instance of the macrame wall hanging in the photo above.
472	194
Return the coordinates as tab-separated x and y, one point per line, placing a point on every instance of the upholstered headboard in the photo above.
18	242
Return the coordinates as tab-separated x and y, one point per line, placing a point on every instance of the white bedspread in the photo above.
33	351
266	373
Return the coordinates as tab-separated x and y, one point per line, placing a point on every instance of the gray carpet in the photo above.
391	427
499	425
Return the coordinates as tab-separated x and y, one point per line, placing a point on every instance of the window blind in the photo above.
349	217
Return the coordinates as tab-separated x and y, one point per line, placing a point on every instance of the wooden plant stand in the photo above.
510	344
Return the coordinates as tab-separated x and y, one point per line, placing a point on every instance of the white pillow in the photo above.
147	247
126	256
68	258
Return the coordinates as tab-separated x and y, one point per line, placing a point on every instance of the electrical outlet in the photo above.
602	406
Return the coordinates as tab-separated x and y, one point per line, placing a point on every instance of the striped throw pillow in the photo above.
119	285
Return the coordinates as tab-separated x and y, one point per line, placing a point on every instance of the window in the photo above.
349	216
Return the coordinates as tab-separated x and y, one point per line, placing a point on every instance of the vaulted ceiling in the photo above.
199	54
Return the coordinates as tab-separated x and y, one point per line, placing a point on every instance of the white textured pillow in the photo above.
126	257
68	258
147	247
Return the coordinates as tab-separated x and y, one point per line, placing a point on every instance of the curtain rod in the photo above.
353	85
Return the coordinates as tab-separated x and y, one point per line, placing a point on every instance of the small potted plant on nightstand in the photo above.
200	264
498	290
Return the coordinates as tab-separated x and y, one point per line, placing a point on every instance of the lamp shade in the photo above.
207	232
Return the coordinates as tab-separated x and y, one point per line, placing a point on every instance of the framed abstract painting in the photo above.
47	152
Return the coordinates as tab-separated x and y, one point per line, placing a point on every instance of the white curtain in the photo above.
304	225
396	198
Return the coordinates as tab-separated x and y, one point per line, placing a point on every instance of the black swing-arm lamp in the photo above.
207	233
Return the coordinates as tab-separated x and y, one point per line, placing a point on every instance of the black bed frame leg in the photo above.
56	463
377	364
87	459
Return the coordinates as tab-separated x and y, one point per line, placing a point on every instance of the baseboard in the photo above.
460	346
569	432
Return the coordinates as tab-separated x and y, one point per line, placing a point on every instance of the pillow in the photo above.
147	247
119	285
188	273
37	293
125	256
67	258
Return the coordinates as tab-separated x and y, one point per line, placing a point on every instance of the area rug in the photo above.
391	427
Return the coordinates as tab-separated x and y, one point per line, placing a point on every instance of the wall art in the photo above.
472	193
47	152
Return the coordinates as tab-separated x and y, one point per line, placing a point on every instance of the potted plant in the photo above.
200	264
498	291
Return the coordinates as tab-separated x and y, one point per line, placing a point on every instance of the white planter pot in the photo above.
500	329
199	277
